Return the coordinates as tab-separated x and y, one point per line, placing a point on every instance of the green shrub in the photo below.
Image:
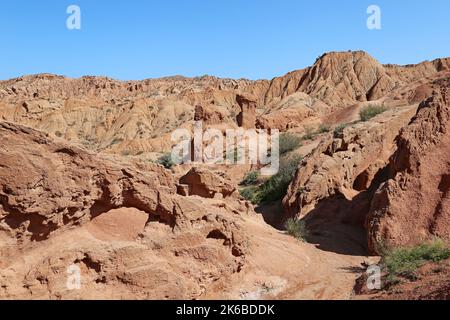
404	261
324	128
116	141
166	160
297	229
251	178
340	128
249	193
288	143
310	134
275	187
371	111
58	134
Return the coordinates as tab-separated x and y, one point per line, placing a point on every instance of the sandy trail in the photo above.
281	267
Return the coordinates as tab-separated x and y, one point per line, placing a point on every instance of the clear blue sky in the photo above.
139	39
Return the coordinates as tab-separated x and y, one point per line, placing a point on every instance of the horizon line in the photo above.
99	76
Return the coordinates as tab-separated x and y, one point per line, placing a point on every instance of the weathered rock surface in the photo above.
346	163
341	79
123	227
414	204
136	117
47	185
49	190
294	111
247	117
207	184
209	114
333	186
386	174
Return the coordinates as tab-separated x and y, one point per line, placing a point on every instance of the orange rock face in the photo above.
414	203
207	184
247	117
51	191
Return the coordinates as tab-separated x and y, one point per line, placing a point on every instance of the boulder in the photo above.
207	184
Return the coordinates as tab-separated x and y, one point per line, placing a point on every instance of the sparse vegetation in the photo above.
371	111
309	134
340	128
289	142
116	141
58	134
297	229
249	193
404	261
251	179
324	128
166	161
275	187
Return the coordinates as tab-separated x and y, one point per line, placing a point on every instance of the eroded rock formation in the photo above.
414	204
346	163
49	188
247	116
207	184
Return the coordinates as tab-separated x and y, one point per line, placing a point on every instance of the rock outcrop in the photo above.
340	78
49	190
48	185
389	174
333	186
207	184
209	114
414	204
346	163
294	111
247	117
